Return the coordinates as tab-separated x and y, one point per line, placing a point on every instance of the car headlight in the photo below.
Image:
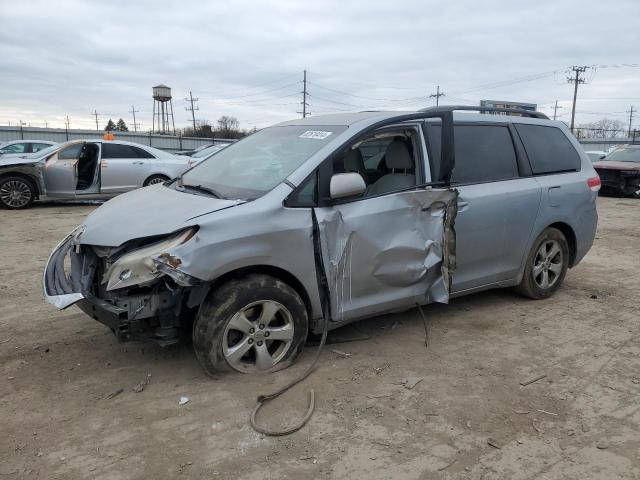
139	267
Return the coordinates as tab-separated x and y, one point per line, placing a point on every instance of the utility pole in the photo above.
577	80
192	109
95	112
66	127
630	119
555	109
133	112
437	95
304	95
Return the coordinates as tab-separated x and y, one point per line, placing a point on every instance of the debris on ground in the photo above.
183	401
113	394
602	445
411	382
139	387
340	353
447	465
533	380
491	442
548	413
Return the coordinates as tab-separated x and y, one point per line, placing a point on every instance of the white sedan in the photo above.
84	169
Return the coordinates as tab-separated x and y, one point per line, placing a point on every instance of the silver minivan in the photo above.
318	222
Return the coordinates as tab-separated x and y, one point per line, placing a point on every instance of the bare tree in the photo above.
603	128
228	127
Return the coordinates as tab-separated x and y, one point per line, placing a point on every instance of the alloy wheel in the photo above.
156	180
15	193
548	264
258	336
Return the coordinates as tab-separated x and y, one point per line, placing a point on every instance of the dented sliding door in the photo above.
389	252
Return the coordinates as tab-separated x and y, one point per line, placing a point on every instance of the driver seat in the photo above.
399	161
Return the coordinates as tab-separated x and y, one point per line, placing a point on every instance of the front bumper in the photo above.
57	284
618	181
151	314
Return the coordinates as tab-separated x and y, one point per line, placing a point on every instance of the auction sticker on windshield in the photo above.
317	134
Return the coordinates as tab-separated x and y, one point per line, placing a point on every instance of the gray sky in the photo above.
245	58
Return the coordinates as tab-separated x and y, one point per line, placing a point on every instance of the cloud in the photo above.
245	58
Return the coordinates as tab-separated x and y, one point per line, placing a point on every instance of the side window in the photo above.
305	195
484	153
386	161
15	148
141	153
115	150
36	147
71	153
548	149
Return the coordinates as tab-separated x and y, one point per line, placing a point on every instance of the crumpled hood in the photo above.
145	212
612	165
9	160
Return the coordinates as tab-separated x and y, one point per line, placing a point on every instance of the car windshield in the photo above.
251	167
624	155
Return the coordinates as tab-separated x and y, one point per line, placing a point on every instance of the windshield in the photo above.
251	167
624	155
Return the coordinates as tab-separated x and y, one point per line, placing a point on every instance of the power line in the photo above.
577	80
437	95
340	92
192	109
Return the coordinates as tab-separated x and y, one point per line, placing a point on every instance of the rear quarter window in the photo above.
548	148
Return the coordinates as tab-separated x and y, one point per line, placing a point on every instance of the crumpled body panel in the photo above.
388	253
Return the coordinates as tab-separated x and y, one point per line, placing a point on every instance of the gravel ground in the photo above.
468	416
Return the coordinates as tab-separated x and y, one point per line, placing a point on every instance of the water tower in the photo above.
162	108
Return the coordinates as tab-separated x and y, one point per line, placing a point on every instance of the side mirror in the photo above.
346	185
602	156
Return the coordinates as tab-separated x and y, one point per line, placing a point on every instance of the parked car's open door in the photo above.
60	171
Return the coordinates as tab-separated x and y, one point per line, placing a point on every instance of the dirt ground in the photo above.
468	417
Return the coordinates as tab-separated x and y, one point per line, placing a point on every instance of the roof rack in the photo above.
452	108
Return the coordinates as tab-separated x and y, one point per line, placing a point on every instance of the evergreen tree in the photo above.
121	126
110	126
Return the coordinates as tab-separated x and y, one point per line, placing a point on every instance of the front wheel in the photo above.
253	324
16	192
547	265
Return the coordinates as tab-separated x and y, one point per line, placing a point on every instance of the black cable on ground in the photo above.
262	399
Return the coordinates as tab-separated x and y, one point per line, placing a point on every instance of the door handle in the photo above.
138	163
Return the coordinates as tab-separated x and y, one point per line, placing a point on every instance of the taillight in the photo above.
594	183
192	163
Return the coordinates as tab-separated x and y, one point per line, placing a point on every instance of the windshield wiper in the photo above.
200	188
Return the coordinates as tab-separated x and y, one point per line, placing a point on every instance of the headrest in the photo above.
353	161
398	156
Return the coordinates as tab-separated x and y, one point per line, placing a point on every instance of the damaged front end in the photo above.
137	289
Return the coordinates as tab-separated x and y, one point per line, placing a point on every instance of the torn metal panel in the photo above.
388	253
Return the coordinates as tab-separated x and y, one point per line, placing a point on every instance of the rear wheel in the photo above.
253	324
16	192
547	265
153	179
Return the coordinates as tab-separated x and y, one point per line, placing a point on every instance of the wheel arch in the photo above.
273	271
155	174
570	235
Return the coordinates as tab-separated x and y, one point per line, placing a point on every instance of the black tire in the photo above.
13	185
532	280
155	179
213	334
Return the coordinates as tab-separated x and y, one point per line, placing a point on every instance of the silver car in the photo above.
318	222
23	147
84	169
